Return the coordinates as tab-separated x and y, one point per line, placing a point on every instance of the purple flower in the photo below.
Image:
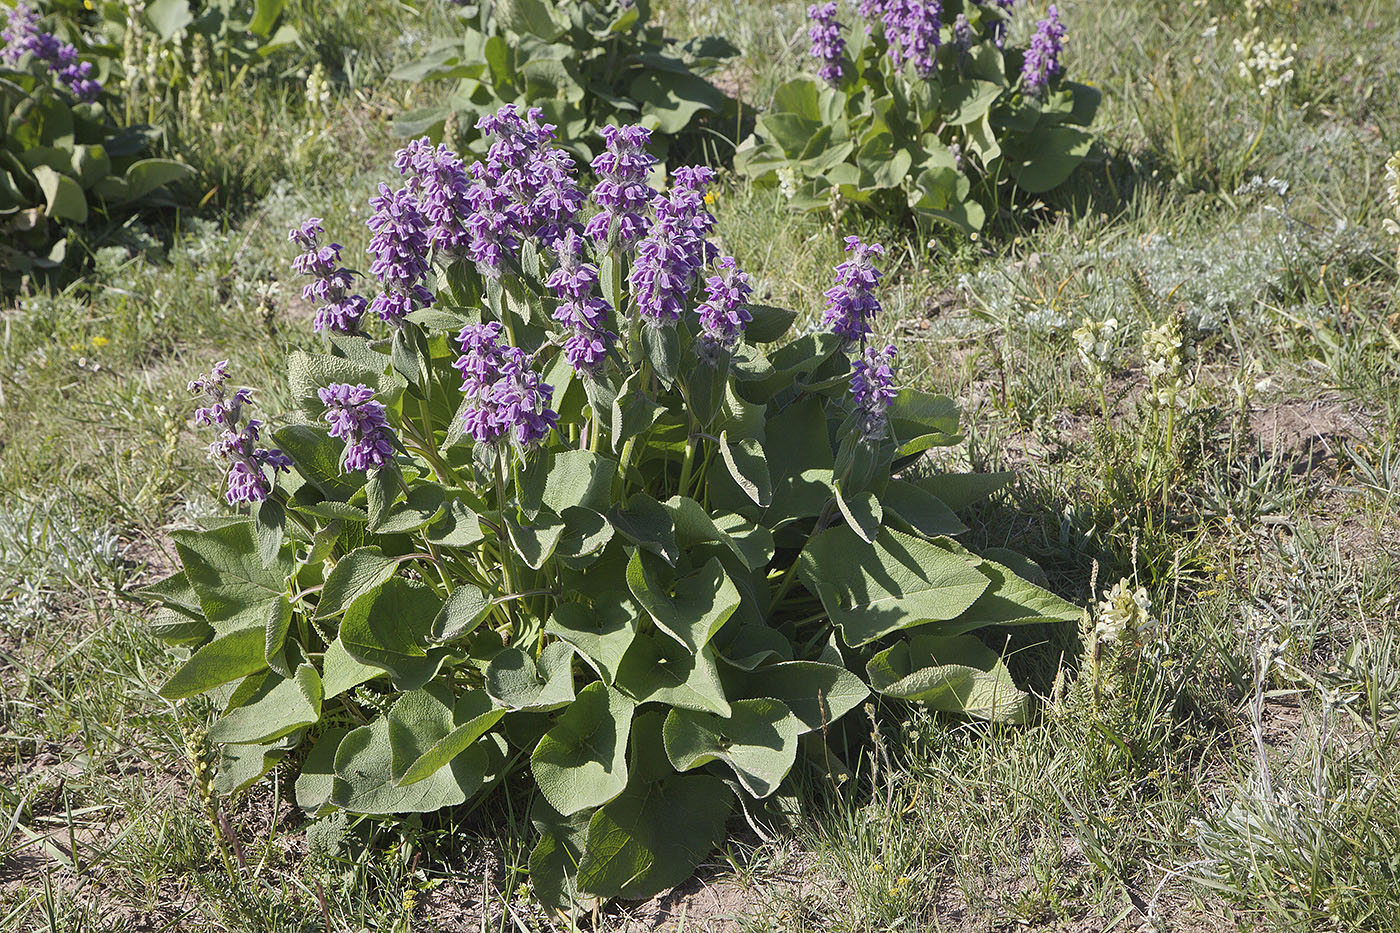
22	35
399	247
522	400
506	394
360	421
851	302
339	308
723	315
551	194
872	389
622	190
237	442
439	182
579	309
828	46
1042	60
494	218
912	32
674	250
962	33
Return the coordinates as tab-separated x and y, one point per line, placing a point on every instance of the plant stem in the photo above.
507	550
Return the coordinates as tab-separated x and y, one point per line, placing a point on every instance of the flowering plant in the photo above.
561	498
63	158
922	108
586	64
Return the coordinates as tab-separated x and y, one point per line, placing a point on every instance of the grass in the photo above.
1244	773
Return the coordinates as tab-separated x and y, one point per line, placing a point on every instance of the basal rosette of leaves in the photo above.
919	107
586	64
561	499
65	163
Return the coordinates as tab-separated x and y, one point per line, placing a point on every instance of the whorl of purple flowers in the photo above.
356	418
400	250
506	395
622	190
851	302
723	315
872	388
438	181
1042	61
962	33
828	47
580	310
912	32
675	249
331	286
237	441
22	34
537	176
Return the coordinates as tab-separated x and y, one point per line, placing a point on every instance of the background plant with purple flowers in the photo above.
580	510
919	109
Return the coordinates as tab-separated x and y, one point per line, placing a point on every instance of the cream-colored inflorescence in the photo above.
1267	65
1094	340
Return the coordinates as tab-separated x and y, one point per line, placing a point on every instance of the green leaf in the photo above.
536	541
463	611
316	456
693	608
421	507
818	694
390	628
657	668
226	572
758	741
581	762
428	728
357	573
241	765
269	528
279	620
364	780
1008	600
554	860
967	101
520	682
769	324
278	707
149	174
960	490
914	414
954	674
341	672
529	17
63	196
586	533
317	777
459	526
647	524
230	656
896	583
862	512
1049	157
308	373
168	17
558	480
920	510
652	836
661	346
751	543
265	13
601	636
748	466
632	411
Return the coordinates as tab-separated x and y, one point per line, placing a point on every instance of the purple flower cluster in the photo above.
723	314
912	32
538	176
237	442
675	249
828	46
851	302
622	190
872	388
438	182
400	250
506	395
1042	61
339	308
356	418
22	35
580	310
962	33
